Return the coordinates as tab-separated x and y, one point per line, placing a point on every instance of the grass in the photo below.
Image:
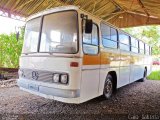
155	75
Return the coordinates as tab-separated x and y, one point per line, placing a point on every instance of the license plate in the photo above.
33	87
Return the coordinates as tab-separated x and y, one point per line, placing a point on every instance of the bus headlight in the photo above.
64	79
56	78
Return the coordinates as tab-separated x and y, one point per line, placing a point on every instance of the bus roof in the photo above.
72	7
55	9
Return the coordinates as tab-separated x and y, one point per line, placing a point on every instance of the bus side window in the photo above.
147	49
109	36
141	47
124	42
90	41
134	45
150	50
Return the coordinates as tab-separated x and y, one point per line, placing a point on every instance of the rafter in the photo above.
35	7
15	5
8	2
116	4
107	18
101	8
94	7
141	4
21	6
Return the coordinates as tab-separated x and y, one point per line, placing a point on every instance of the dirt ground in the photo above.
137	100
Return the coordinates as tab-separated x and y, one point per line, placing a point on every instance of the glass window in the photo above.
150	50
134	42
31	36
124	42
123	38
105	31
109	36
109	43
124	47
134	49
94	35
87	38
90	41
146	49
58	35
90	49
113	34
134	45
141	47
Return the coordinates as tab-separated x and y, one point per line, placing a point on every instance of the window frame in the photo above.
110	27
41	27
147	49
41	23
91	39
134	46
143	47
77	32
129	41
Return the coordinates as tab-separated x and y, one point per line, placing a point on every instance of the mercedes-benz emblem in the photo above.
35	75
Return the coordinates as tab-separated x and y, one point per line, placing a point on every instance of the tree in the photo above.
148	34
10	49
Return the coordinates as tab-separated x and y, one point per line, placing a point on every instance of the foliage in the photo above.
10	49
155	75
149	34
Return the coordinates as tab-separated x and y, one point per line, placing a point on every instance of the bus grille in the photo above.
37	75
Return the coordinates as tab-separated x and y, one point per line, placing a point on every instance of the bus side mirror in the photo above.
88	26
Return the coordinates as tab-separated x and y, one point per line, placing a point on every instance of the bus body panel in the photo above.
89	83
124	68
55	64
147	60
110	61
87	80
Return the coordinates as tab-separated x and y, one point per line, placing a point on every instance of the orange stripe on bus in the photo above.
108	58
91	59
104	58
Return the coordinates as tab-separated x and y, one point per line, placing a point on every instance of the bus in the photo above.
72	56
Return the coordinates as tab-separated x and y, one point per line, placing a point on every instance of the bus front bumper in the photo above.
63	95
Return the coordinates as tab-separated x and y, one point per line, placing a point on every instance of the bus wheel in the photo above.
144	76
108	87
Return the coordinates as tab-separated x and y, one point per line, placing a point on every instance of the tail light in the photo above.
74	64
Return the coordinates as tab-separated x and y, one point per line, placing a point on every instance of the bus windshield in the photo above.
31	36
59	33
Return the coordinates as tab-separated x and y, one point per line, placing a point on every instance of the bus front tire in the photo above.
108	87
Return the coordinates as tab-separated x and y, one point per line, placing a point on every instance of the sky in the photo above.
8	25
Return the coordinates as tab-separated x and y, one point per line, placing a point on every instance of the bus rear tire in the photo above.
144	76
108	87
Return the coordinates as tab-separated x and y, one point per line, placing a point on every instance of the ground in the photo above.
139	98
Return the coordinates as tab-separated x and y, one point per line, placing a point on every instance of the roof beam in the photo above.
116	4
8	2
15	5
141	4
87	4
101	8
35	7
21	6
112	15
52	3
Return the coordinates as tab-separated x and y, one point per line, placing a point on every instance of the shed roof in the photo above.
121	13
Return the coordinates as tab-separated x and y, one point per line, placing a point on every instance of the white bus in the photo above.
71	56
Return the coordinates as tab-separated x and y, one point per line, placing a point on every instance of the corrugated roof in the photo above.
122	13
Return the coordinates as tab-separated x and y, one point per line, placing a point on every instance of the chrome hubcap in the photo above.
108	88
